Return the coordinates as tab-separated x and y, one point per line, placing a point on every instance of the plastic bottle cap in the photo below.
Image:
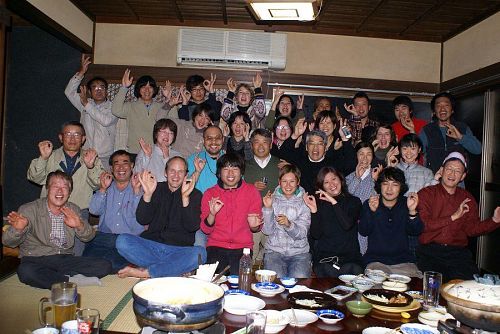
246	251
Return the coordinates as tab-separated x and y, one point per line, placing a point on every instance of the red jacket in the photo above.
401	131
231	229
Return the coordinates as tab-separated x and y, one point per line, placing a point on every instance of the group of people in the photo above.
194	180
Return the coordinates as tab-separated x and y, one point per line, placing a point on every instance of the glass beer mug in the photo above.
63	300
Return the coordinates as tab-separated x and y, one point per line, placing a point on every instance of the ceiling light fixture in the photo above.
289	10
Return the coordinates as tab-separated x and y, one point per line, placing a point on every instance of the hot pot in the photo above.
177	303
477	315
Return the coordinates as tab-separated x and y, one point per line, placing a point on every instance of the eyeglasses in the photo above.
97	87
72	134
283	127
315	143
197	89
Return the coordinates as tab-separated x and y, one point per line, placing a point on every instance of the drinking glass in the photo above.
63	300
255	322
88	321
432	283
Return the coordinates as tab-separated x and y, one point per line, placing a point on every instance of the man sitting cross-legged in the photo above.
45	231
172	211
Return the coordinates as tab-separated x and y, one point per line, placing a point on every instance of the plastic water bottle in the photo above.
244	278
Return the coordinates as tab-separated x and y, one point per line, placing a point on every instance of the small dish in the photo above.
376	330
341	292
347	279
330	316
310	300
267	289
267	286
414	328
241	304
303	317
358	308
395	286
416	294
288	282
399	278
363	284
265	276
378	276
275	322
233	281
236	292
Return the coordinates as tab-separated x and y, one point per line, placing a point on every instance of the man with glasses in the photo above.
450	216
82	165
96	117
172	212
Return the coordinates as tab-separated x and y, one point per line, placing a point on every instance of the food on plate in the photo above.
398	299
476	292
307	302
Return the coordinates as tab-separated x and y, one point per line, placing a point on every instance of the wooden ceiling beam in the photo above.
127	4
489	11
178	12
423	15
380	3
224	11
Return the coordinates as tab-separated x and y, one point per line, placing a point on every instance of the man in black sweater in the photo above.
172	212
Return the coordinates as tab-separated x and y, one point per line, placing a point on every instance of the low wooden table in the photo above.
350	324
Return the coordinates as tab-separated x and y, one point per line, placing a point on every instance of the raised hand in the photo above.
260	185
187	187
146	147
148	183
338	144
281	219
342	123
185	95
105	180
462	210
375	144
324	196
84	65
391	157
17	220
127	79
254	220
300	128
300	102
453	132
257	81
376	172
373	202
134	182
282	163
215	204
267	200
199	164
71	218
246	133
412	202
408	124
276	97
209	84
166	90
83	95
45	148
439	174
351	109
231	85
361	169
310	201
89	157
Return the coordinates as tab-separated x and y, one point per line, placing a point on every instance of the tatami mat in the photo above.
19	304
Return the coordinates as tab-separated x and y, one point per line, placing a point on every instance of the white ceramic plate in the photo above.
241	304
376	330
414	328
347	279
304	317
399	278
268	293
276	321
395	286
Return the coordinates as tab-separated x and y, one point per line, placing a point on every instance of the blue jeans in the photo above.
104	247
200	238
80	245
161	260
298	266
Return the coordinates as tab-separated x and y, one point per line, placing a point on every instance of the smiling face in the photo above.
383	137
175	173
402	111
323	104
289	184
165	137
315	148
389	190
146	92
410	153
453	174
362	106
201	121
72	139
327	126
443	109
230	176
261	146
121	168
285	106
243	97
212	141
58	192
238	127
98	91
332	184
364	156
283	131
198	94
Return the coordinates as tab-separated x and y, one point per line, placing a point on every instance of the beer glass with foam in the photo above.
63	300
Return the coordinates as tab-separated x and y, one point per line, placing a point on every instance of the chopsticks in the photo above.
216	278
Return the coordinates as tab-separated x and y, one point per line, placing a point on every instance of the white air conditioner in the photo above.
231	48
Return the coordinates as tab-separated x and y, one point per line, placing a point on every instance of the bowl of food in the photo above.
358	308
265	276
378	276
275	321
363	284
330	316
288	282
311	300
233	281
387	298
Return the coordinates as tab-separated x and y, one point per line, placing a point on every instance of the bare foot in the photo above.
129	271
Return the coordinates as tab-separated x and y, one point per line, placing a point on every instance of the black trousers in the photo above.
43	271
451	261
225	257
